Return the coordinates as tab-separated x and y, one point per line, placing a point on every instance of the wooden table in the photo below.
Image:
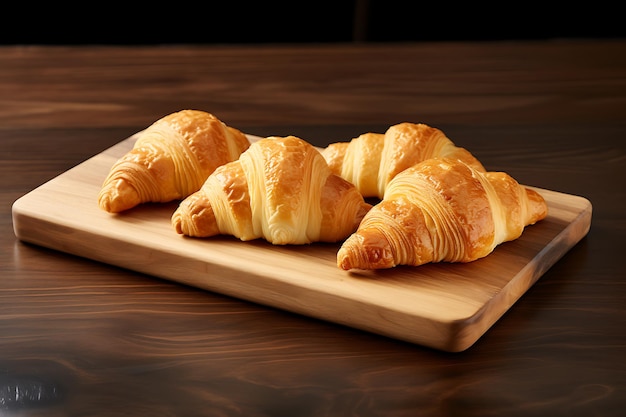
78	337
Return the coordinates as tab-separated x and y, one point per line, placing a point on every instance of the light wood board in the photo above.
443	306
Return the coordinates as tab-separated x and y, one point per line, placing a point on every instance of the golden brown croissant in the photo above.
170	160
441	210
371	160
281	190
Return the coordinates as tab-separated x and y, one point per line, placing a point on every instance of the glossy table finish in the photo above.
79	337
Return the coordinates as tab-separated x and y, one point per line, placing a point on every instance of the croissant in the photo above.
281	190
441	210
170	160
371	160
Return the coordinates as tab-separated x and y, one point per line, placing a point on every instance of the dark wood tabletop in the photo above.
82	338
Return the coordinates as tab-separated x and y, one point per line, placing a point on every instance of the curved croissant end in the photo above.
225	190
441	210
170	160
281	190
118	193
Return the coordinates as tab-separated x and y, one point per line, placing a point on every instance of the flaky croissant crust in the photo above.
371	160
281	190
441	210
171	159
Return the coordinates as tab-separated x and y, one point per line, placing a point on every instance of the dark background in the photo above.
304	22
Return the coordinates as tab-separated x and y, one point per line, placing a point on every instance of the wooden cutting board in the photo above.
443	306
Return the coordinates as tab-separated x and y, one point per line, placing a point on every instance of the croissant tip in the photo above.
107	203
342	263
345	257
118	196
112	205
344	266
104	203
177	223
